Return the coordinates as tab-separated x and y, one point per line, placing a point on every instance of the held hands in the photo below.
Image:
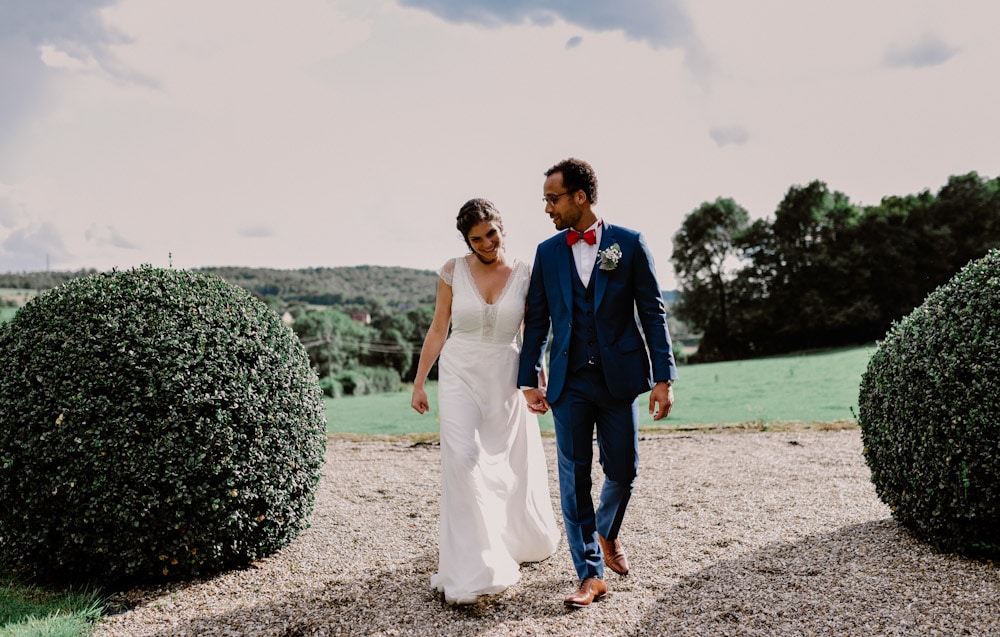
536	400
419	401
662	395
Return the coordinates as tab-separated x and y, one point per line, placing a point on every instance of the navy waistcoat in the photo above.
583	346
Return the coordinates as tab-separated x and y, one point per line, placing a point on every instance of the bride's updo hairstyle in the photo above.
475	211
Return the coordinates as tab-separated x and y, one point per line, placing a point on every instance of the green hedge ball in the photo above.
155	423
929	410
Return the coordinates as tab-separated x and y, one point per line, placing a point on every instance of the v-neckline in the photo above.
475	286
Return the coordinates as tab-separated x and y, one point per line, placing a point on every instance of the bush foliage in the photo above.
930	417
155	423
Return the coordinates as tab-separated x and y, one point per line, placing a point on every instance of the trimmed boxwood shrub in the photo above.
153	424
930	414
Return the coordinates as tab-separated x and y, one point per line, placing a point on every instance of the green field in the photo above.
817	387
7	313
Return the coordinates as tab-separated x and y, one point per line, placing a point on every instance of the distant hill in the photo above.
367	286
364	285
40	280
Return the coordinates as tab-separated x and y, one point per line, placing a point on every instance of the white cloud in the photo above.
59	59
9	213
109	236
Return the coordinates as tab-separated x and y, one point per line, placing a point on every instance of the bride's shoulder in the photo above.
447	271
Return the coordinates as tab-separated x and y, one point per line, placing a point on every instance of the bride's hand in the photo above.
538	408
419	401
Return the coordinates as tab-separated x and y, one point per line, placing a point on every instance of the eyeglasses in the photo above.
550	200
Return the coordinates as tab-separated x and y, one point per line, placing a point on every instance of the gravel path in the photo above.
763	533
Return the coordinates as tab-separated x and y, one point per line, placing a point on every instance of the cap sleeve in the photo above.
447	272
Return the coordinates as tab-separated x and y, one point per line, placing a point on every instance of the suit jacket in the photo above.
621	296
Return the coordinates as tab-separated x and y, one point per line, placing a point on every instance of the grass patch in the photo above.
30	611
806	391
387	414
814	387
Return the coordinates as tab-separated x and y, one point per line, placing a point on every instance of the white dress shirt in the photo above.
585	255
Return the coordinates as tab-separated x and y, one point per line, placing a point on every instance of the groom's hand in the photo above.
536	400
661	399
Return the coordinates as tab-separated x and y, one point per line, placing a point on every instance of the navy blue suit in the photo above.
598	366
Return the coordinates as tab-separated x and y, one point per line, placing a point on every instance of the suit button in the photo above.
565	353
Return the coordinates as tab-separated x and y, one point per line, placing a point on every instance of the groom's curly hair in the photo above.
476	211
577	175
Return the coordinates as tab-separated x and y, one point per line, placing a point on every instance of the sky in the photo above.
191	133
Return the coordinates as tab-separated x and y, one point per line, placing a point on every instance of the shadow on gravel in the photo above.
873	578
395	601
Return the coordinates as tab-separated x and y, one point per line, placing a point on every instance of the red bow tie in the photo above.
590	236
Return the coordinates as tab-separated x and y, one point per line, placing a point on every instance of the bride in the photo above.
495	507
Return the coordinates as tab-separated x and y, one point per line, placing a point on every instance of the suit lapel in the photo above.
565	266
600	276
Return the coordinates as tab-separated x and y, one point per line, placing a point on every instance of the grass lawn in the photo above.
815	387
29	611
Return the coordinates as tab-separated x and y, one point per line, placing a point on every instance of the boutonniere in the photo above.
610	257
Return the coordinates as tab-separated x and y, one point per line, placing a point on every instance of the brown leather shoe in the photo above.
614	555
590	589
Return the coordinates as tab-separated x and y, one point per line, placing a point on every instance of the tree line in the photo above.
363	288
373	289
824	271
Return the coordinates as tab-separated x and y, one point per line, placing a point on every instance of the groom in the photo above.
595	285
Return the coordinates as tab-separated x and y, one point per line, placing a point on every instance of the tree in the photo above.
894	254
332	339
403	334
705	253
390	349
807	263
968	206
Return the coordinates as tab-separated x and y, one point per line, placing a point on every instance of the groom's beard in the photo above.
568	219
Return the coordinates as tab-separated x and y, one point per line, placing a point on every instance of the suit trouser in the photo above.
584	403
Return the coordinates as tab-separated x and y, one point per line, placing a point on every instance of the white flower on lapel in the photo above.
610	257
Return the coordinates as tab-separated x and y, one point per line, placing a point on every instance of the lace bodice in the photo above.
475	319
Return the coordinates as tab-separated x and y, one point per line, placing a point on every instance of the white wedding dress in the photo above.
495	506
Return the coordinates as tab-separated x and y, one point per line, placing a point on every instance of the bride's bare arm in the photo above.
437	334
